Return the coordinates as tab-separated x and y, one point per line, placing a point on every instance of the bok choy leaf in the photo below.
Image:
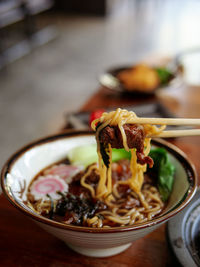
165	171
86	155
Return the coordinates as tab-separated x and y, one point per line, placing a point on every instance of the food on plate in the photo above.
124	183
144	78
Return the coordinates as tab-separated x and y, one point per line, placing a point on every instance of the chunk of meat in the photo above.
135	136
75	185
142	159
134	133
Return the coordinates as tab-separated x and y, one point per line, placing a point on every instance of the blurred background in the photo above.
52	52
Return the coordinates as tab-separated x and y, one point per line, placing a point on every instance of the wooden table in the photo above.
23	243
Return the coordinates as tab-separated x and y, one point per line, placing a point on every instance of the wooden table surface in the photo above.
23	243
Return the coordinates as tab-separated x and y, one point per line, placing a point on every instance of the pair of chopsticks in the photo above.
174	121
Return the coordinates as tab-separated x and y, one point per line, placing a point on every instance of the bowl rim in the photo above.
179	154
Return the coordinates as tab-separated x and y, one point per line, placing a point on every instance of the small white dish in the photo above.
184	233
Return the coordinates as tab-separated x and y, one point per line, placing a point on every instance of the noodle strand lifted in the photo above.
119	118
106	193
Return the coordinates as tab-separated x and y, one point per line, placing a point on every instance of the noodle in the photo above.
84	184
119	118
142	202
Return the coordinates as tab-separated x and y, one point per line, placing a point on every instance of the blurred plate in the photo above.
184	233
109	80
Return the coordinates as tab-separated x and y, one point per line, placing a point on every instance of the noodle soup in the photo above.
109	192
65	192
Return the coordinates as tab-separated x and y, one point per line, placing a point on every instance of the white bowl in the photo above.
98	242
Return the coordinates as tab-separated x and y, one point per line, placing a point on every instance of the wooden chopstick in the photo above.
177	133
167	121
172	121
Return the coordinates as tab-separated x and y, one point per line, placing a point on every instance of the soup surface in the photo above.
58	193
112	191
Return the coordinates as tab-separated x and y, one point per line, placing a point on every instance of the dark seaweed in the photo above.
52	207
104	150
74	206
104	154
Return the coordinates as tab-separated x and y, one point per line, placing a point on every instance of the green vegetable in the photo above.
83	155
86	155
164	75
165	171
117	154
121	153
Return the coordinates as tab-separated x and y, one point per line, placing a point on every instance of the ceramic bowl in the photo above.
30	160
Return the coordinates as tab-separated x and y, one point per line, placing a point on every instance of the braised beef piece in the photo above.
135	136
142	159
135	139
93	178
75	187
